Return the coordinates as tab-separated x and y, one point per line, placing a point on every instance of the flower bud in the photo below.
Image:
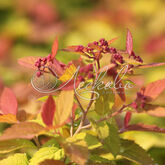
81	78
90	75
38	74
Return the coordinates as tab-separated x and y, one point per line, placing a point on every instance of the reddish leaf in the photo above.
129	42
1	87
71	48
150	65
154	110
142	127
8	102
153	90
54	48
24	130
155	45
28	62
48	110
127	118
56	67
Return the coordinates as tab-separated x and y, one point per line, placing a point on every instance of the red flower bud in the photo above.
81	78
38	74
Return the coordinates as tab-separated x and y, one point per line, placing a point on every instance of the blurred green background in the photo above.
28	28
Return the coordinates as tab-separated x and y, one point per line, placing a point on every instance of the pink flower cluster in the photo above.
41	63
137	58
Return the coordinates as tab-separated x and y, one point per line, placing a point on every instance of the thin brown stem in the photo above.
36	140
98	64
107	117
79	103
81	125
86	126
84	115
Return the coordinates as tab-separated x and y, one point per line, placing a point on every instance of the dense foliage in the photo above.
85	110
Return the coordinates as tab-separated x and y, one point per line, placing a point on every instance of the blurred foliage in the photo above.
28	28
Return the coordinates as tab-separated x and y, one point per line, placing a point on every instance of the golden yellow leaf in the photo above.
64	104
9	118
69	72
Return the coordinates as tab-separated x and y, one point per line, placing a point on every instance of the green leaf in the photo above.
98	159
11	145
108	135
90	138
132	151
92	141
16	159
51	143
105	102
47	153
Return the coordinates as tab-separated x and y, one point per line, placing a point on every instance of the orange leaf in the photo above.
8	102
153	90
9	118
54	48
112	40
25	130
71	48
